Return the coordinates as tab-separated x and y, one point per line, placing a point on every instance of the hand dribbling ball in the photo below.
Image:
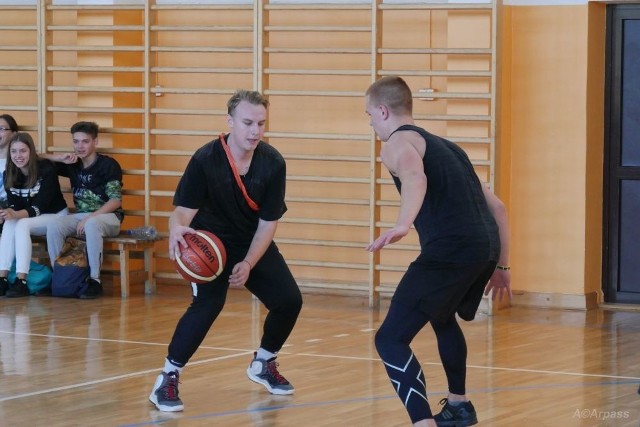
203	259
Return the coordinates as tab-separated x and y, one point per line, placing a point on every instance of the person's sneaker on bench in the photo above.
94	289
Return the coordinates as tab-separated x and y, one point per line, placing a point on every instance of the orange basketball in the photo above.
203	259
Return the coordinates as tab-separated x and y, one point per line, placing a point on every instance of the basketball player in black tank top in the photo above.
464	252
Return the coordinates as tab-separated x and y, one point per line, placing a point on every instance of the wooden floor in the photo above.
66	362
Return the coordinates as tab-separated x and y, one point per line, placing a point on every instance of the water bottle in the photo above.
143	233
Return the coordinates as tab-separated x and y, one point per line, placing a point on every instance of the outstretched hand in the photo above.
500	284
390	236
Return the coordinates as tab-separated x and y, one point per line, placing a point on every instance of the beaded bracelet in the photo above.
503	267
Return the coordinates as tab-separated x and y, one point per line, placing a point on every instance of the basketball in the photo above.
203	259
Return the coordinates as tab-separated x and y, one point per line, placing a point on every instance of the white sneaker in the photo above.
265	372
165	393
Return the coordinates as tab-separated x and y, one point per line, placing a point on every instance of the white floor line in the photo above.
245	352
494	368
108	340
114	378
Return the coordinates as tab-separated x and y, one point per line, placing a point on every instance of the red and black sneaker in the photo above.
265	372
165	393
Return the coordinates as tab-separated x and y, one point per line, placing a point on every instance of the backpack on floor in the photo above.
71	269
38	278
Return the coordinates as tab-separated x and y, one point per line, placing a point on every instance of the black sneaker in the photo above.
165	393
461	415
265	372
93	291
4	285
18	289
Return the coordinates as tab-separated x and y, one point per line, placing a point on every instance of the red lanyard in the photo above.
253	205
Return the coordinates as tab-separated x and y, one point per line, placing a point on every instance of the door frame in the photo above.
613	174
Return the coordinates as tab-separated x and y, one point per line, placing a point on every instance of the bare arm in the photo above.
108	207
68	158
500	282
404	161
111	206
261	241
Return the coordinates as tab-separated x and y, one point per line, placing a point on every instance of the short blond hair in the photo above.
393	92
251	96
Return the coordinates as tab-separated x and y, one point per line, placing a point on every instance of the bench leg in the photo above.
150	268
124	270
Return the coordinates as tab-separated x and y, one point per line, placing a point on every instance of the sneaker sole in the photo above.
266	384
153	399
16	295
466	423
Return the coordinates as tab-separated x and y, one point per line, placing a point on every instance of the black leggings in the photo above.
270	281
397	331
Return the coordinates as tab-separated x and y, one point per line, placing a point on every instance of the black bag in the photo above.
71	269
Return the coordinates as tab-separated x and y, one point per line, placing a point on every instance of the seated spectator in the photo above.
8	127
96	181
34	200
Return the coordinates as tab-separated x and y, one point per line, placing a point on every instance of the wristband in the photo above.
250	266
503	267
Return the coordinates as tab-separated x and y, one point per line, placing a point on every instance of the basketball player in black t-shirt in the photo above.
463	233
242	209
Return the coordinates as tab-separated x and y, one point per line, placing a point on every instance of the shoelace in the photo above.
170	389
272	368
446	412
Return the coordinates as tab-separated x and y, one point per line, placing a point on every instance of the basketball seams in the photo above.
185	270
204	249
216	248
203	258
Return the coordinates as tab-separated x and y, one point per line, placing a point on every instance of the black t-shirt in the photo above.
208	185
44	197
454	223
95	185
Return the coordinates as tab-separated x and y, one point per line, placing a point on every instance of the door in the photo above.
621	271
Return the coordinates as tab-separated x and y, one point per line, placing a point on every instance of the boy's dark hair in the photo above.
13	125
90	128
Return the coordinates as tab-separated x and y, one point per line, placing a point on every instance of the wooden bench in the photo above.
125	248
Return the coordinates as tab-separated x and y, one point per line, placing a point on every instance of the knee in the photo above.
22	227
383	341
92	227
53	230
206	307
292	303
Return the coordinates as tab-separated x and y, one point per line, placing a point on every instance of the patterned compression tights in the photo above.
393	341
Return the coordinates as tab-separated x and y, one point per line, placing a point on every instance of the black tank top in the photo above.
454	223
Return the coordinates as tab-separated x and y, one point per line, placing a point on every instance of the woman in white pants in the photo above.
35	200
